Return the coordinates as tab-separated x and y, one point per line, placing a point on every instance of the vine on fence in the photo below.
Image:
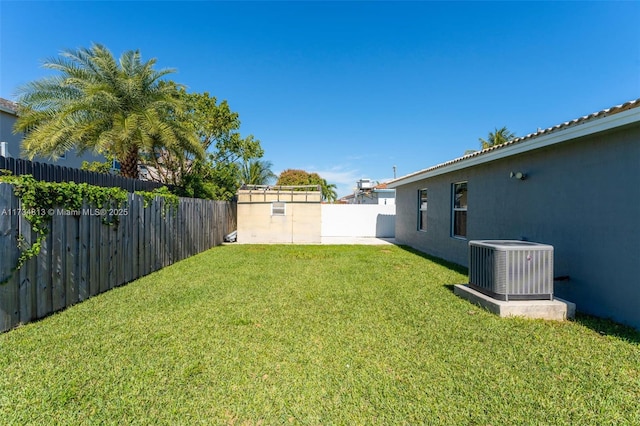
171	201
41	200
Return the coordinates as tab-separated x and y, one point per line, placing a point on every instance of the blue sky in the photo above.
351	89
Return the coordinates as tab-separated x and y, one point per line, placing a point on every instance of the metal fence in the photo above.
82	257
55	173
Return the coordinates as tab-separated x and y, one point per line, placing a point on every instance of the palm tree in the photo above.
257	172
100	104
498	137
329	193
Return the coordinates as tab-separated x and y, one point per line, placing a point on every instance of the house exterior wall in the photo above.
366	199
6	133
14	141
387	199
581	196
379	197
301	222
72	159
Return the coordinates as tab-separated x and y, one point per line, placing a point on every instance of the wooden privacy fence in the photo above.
82	257
56	173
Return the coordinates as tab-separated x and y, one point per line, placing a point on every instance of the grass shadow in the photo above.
602	326
608	327
450	287
439	261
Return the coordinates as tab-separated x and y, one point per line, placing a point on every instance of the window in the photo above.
278	209
459	226
422	210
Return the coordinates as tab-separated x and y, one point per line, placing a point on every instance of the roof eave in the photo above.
8	110
509	149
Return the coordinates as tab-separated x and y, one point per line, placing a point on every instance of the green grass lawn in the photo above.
313	335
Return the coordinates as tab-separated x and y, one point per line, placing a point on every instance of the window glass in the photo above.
459	226
422	210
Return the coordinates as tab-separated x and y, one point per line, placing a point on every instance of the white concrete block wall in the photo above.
358	220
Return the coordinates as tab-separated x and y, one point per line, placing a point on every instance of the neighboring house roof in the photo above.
609	118
383	188
8	106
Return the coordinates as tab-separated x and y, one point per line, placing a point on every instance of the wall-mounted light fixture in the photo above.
518	175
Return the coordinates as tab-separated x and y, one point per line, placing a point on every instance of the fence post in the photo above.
94	255
57	235
156	237
9	292
71	238
84	256
134	217
113	255
28	276
103	232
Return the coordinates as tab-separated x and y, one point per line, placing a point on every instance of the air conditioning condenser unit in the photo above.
511	269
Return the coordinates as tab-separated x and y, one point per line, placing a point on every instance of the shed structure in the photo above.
279	214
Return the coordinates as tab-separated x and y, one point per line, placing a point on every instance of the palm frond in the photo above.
100	103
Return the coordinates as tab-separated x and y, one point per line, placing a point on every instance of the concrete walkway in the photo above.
367	241
358	240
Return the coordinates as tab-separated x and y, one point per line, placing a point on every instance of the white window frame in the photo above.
459	209
422	209
278	208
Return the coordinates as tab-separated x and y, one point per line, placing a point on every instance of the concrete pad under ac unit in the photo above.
556	309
